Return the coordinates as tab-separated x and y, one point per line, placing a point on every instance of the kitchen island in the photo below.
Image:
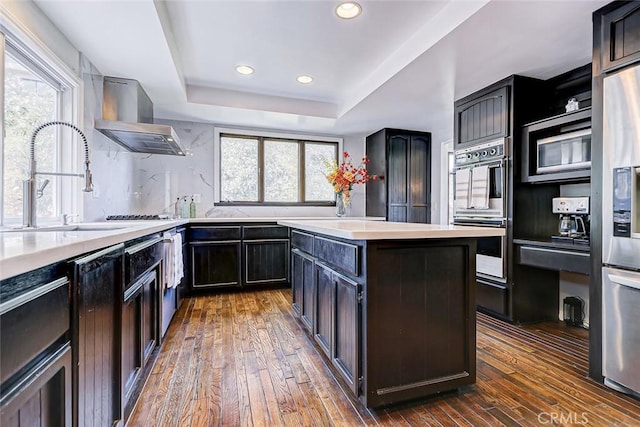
391	305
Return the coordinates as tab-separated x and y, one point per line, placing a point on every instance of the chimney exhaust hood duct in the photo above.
127	114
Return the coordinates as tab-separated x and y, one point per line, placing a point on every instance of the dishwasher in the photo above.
621	329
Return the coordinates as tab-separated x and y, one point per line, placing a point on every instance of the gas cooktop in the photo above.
145	217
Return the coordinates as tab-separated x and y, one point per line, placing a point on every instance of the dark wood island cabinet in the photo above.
391	306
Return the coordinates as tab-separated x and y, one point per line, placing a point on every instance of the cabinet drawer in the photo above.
493	297
303	241
345	256
256	232
140	258
208	233
554	259
41	316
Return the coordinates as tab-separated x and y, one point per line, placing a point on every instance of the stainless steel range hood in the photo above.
127	118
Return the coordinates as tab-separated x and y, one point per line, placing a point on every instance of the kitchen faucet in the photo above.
29	192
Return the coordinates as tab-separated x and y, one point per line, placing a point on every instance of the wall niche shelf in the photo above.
563	123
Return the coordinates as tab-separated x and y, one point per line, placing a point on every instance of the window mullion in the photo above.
261	170
301	172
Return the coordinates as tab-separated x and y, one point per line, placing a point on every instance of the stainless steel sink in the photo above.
70	227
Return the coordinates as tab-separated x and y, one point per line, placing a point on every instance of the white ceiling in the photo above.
400	64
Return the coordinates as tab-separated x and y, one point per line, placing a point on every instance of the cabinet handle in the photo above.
31	295
381	177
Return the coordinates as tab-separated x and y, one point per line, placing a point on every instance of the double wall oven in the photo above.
480	200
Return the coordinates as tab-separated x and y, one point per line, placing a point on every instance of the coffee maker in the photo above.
573	224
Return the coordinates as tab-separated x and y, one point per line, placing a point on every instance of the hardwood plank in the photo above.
242	358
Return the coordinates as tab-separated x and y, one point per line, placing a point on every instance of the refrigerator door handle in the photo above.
624	281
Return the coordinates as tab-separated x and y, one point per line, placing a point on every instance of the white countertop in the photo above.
22	251
374	230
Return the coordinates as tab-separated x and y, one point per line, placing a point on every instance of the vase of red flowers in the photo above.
343	177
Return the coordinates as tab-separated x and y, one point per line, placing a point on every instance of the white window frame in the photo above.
70	154
218	131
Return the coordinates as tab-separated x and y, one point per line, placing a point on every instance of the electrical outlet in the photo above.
197	198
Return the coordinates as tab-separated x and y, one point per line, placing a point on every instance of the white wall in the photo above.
29	16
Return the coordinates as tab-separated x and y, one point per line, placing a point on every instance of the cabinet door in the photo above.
482	119
324	308
419	179
266	261
621	36
149	320
297	279
397	176
98	291
346	350
215	264
131	339
43	397
308	293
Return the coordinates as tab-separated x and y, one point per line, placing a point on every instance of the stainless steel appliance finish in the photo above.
564	152
491	257
621	170
570	205
127	114
621	329
621	231
486	158
29	192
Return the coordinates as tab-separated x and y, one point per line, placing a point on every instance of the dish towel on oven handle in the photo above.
174	268
480	188
463	177
178	266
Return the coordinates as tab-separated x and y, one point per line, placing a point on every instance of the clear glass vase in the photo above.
341	205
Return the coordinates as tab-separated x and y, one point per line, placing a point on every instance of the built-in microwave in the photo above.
564	152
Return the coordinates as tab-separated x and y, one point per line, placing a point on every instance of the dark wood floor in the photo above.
243	359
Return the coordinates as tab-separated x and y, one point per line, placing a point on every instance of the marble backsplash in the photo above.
160	179
113	168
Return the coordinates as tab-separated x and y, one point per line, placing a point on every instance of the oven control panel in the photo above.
493	150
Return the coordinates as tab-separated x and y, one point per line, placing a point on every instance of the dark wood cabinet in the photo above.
323	330
45	398
234	255
266	261
402	160
396	319
482	119
347	331
215	264
620	35
303	284
35	350
97	290
139	329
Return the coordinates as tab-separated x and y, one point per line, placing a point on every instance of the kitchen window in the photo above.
35	90
266	169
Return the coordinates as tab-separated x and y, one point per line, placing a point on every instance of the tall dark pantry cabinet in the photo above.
402	161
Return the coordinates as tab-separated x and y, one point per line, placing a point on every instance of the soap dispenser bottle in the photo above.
192	208
177	209
185	208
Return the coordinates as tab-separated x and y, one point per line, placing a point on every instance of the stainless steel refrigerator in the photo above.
621	231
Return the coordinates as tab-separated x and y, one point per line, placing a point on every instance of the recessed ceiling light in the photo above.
304	79
348	10
244	69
